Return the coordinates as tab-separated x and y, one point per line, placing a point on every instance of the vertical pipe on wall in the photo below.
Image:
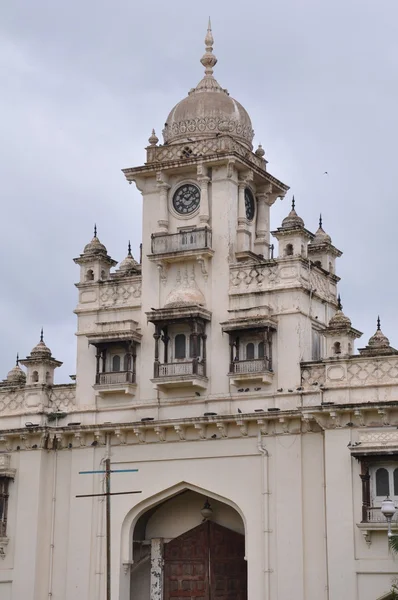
52	525
265	514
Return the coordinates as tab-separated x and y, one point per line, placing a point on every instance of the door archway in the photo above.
177	553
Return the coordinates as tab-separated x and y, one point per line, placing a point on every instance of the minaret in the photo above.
95	263
321	250
40	364
340	335
292	236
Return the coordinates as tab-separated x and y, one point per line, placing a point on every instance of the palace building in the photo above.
221	365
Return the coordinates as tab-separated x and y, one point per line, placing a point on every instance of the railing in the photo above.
181	368
197	239
373	514
256	365
115	377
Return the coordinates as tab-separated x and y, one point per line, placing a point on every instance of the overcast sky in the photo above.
82	83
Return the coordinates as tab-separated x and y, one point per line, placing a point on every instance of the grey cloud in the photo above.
83	83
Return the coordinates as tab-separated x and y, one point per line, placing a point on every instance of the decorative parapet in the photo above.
352	372
202	149
113	292
33	398
282	274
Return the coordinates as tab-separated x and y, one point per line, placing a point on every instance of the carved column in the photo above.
365	478
156	569
97	368
163	187
165	340
261	243
194	338
204	338
241	203
204	214
156	335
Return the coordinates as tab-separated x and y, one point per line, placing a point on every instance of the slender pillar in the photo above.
204	338
163	221
156	569
241	203
194	338
365	478
261	243
156	335
165	340
204	214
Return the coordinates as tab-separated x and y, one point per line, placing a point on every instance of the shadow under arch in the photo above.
139	509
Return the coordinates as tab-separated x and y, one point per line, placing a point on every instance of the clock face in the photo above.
186	199
249	204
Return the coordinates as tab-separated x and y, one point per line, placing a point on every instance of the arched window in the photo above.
349	348
382	482
179	346
116	363
102	274
337	348
90	275
35	377
289	250
250	351
261	350
48	377
127	362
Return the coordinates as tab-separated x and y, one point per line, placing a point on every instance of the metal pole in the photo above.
108	526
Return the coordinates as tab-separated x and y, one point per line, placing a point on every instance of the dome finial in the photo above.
95	230
41	334
378	323
17	361
129	249
339	305
293	203
208	60
320	221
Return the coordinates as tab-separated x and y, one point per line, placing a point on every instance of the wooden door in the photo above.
186	573
228	568
206	563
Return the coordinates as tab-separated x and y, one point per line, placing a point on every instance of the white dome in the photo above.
208	110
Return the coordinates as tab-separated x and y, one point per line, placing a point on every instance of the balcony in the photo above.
174	247
116	381
248	370
180	374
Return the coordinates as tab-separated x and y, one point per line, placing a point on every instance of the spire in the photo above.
339	305
41	335
95	230
17	361
293	203
320	221
208	60
378	323
129	249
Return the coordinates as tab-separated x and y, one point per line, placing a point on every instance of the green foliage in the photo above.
393	541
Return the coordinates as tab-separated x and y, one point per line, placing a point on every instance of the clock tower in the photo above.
206	201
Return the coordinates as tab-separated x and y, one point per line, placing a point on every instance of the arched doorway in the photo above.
181	551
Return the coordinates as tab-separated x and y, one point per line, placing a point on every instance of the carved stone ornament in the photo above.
3	547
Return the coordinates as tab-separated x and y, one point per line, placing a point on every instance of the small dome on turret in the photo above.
95	246
40	350
379	340
339	319
321	237
16	376
292	219
378	345
129	264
